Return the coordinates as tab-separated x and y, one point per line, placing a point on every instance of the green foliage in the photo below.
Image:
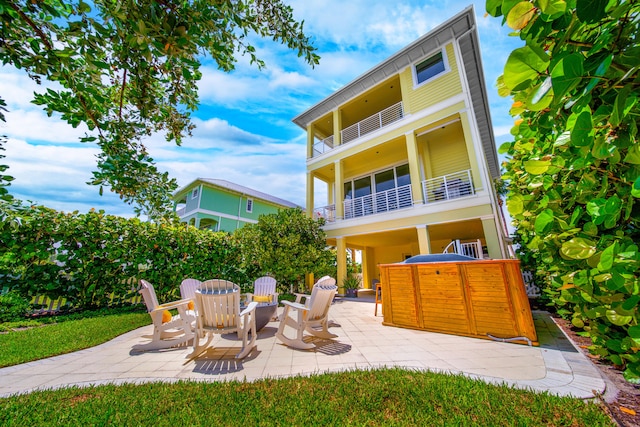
13	306
574	164
95	260
287	245
351	281
129	69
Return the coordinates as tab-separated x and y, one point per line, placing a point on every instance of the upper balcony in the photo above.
372	123
372	110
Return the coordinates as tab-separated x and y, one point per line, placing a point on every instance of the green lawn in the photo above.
362	398
359	398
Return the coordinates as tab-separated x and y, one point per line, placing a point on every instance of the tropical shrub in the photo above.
574	162
13	307
94	259
287	245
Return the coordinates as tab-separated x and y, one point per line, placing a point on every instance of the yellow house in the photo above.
401	161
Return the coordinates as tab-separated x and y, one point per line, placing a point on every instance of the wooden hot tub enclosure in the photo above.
458	295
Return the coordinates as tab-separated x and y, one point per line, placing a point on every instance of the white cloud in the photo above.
244	132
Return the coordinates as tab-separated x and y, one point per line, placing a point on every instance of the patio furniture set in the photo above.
217	307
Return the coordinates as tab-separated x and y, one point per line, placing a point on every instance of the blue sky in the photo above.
244	131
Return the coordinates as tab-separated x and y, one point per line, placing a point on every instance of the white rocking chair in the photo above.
264	290
311	315
188	288
217	304
176	331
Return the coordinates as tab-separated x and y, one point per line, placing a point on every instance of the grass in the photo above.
70	333
363	398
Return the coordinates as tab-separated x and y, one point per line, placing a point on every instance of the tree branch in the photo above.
124	84
29	22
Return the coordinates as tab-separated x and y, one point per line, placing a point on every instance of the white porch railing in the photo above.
471	249
323	146
180	212
385	201
452	186
375	122
326	212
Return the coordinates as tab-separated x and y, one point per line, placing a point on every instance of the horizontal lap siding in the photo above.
439	89
491	304
442	299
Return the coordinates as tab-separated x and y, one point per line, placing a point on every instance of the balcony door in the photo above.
358	198
382	191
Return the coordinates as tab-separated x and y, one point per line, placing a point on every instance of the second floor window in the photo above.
249	205
195	192
430	68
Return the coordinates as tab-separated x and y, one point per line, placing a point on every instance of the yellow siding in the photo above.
434	91
447	156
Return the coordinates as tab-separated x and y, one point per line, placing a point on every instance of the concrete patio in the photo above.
363	343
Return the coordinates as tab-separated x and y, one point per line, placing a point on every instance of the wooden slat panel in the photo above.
492	313
465	298
442	298
402	299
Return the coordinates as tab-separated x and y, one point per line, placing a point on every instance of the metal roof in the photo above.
237	188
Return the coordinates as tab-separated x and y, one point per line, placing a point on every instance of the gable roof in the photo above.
461	27
236	188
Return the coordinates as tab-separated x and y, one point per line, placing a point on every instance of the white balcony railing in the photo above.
180	212
448	187
385	201
375	122
323	146
471	249
326	212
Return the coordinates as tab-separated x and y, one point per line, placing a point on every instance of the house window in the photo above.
430	68
195	192
249	205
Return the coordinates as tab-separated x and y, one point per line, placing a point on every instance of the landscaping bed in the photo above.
624	406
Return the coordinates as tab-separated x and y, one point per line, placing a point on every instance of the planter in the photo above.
352	293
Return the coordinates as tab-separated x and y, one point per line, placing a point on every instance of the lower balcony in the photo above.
384	201
442	188
447	187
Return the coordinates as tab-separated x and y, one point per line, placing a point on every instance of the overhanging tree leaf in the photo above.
129	69
567	73
588	131
524	65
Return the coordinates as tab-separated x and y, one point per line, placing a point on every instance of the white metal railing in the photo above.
384	201
326	212
375	122
446	187
471	249
323	146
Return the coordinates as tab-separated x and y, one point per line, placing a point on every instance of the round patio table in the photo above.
264	313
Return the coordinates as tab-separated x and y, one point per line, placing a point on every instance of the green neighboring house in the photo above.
221	205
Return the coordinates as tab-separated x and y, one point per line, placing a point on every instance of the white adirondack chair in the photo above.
218	312
311	315
178	330
188	288
264	290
